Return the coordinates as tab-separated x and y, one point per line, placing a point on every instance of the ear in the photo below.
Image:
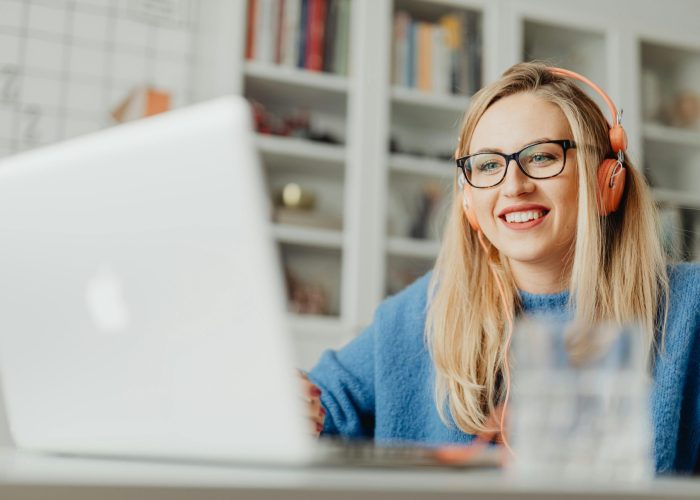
466	206
466	193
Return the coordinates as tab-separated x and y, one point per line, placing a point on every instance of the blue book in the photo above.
303	32
411	35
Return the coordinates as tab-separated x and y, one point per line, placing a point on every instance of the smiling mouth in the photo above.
525	216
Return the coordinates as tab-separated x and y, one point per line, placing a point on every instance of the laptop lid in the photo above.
141	297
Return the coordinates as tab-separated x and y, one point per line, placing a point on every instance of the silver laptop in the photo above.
141	300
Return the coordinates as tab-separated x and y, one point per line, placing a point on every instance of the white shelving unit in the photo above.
395	140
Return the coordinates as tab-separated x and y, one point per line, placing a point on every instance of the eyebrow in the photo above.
497	150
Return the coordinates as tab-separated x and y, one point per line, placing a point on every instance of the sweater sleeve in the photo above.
346	380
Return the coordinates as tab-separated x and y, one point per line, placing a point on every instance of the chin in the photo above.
522	252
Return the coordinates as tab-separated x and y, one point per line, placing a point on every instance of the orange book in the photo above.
425	56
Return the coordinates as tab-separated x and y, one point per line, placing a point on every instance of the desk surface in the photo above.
25	475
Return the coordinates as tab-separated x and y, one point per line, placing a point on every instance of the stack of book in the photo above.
442	57
309	34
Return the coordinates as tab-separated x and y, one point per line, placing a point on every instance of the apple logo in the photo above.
104	296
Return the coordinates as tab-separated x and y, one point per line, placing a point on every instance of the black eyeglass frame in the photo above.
566	144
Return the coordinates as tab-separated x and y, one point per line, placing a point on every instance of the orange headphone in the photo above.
611	172
611	184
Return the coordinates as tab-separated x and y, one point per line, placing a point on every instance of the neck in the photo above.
541	277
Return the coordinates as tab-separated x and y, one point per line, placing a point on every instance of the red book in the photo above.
317	26
250	32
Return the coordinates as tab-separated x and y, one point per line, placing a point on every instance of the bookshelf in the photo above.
670	104
395	139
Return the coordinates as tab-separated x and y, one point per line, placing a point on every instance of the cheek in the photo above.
483	205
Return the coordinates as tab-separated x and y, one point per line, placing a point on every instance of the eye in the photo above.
540	158
489	166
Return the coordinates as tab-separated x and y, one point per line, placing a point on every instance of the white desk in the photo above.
26	476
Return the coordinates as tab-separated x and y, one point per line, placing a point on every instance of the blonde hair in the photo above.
617	262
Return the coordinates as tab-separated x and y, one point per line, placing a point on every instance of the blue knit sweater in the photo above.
380	385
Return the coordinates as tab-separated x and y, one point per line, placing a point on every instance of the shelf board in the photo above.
294	152
411	247
294	76
677	197
308	236
429	167
427	111
671	135
414	97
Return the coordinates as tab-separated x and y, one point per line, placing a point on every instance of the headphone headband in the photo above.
618	137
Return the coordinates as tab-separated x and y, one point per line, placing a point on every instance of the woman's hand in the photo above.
312	395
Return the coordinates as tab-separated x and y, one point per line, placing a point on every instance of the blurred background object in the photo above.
581	402
358	104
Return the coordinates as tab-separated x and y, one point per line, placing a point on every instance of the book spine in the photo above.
453	33
400	48
424	56
342	45
279	38
303	31
263	34
291	29
314	51
475	52
331	35
438	73
250	33
412	55
464	57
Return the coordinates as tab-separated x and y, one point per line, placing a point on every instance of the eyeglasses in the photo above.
541	160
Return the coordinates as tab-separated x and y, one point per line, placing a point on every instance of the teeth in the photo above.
523	216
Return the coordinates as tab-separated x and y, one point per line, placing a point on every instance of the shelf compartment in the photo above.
277	86
677	198
674	167
417	165
401	271
307	236
671	135
325	82
312	273
416	98
300	154
571	47
411	247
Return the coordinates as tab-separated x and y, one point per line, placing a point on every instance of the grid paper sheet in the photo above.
65	64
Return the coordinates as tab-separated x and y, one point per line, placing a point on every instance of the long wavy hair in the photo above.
617	263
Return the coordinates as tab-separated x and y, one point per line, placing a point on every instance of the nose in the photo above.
516	182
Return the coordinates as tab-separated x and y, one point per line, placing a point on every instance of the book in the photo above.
342	43
315	36
278	31
402	22
264	48
291	29
411	55
250	33
331	35
303	30
475	50
424	51
440	61
452	26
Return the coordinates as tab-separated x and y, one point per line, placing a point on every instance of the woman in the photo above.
523	236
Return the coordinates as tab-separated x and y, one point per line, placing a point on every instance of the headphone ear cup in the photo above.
611	185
